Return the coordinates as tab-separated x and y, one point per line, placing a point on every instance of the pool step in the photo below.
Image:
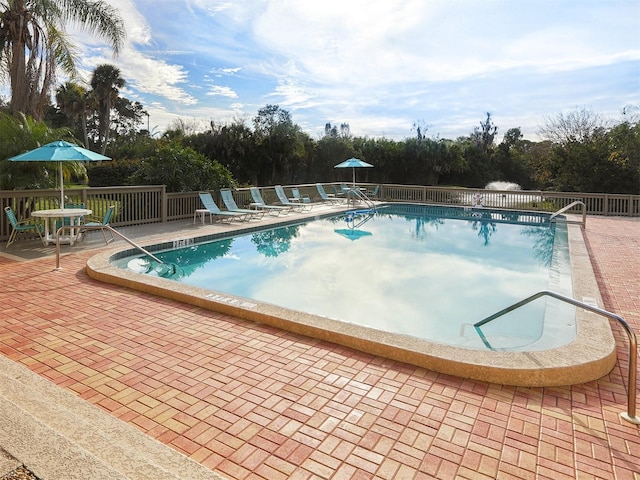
58	435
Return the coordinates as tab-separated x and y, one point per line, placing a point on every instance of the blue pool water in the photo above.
424	271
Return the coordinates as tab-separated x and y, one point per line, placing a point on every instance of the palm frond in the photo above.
97	17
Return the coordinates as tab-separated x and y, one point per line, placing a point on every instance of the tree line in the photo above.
579	151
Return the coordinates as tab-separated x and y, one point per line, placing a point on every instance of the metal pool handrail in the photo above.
569	207
356	192
630	415
98	227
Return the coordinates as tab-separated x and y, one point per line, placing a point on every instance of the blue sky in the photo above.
379	66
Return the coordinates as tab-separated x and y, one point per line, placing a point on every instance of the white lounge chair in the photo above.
284	200
303	199
232	206
329	198
258	202
214	210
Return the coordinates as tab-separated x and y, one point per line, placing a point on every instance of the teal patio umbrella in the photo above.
353	163
59	151
352	234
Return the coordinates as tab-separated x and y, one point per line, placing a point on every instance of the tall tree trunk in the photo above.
105	125
19	83
85	136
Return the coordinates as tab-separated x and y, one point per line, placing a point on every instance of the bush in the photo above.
181	169
111	173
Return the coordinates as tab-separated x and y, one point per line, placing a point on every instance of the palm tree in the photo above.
33	44
72	101
106	82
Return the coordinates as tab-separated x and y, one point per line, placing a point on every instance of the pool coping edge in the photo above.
589	357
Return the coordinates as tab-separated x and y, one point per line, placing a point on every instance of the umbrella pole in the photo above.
61	187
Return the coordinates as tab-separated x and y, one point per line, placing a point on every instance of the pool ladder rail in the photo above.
355	193
569	207
357	218
100	227
630	414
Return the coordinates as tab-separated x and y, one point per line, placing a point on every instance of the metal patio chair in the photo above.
20	226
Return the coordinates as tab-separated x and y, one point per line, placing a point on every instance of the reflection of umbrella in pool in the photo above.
352	234
353	163
59	151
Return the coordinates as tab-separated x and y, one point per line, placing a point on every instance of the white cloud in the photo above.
222	92
379	65
229	71
138	30
148	76
381	43
143	73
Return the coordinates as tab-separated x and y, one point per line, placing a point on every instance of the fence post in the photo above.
165	204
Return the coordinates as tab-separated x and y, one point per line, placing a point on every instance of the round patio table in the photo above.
74	214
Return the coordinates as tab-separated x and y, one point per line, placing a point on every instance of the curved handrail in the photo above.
356	192
569	207
350	217
630	415
98	227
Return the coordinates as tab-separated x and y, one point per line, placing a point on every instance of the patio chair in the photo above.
304	199
326	197
232	206
282	198
373	195
97	222
66	221
214	210
341	191
20	226
258	202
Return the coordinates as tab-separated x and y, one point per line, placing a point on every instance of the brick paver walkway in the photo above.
253	402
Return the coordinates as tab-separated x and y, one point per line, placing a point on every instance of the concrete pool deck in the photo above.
247	400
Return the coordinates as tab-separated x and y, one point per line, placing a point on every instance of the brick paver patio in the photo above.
253	402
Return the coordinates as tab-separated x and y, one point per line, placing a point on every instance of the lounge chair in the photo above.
329	198
284	200
304	199
232	206
20	226
258	202
214	210
104	222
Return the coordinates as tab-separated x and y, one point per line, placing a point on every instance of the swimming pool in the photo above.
424	271
512	244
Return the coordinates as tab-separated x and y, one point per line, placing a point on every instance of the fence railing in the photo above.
139	205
